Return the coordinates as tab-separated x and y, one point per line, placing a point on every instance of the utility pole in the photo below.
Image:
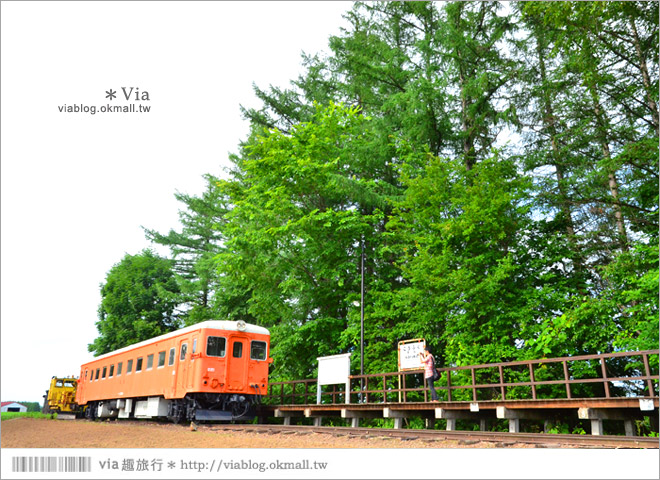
362	314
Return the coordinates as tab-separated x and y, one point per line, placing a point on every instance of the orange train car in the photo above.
214	370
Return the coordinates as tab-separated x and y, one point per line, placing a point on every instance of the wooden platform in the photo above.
626	409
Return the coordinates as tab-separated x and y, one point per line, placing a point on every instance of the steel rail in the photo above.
501	439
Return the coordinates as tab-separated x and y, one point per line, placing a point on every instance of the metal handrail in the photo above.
401	390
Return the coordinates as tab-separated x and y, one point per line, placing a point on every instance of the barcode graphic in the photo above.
51	464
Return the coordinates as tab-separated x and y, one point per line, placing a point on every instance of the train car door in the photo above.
193	354
181	376
237	362
80	388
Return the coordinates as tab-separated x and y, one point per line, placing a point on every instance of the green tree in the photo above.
438	86
194	249
139	300
465	241
294	230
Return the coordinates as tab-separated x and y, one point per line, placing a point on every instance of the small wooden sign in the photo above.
409	351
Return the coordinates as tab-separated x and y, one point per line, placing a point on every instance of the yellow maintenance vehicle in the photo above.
60	398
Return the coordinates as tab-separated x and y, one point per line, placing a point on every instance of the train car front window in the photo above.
258	350
184	350
216	346
238	350
161	359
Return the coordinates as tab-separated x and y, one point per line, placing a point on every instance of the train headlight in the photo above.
241	325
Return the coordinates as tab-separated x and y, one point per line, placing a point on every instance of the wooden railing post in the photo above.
449	385
604	370
647	373
531	379
404	389
474	383
502	391
566	379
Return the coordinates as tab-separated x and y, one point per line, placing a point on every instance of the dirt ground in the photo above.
46	433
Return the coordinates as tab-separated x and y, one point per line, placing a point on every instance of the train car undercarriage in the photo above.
218	407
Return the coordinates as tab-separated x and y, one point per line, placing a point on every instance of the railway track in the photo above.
500	439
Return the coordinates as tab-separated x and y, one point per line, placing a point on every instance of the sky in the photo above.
77	187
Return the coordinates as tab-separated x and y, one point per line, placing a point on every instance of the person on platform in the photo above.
429	371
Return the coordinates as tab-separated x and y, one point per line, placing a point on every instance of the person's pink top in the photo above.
428	366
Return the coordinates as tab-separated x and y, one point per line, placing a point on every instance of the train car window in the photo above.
86	374
105	369
98	372
258	350
161	359
69	384
129	367
150	361
138	365
216	346
112	371
184	350
238	350
194	345
58	383
170	361
119	365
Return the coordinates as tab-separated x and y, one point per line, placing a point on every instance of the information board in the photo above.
409	351
333	370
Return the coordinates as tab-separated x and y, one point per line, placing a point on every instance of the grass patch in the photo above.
10	415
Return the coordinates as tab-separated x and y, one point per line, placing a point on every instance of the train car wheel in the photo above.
176	411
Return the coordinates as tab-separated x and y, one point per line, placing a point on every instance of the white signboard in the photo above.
333	370
409	351
646	405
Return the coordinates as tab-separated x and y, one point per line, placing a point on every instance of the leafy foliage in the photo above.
497	162
139	301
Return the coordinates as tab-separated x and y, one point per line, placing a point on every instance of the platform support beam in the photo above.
357	415
597	415
287	415
514	425
630	428
399	415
